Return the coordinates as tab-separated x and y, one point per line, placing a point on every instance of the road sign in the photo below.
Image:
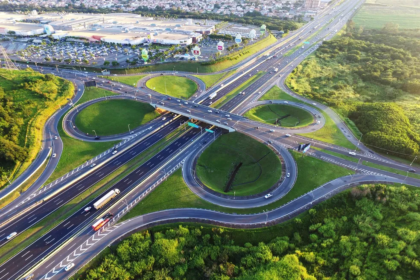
196	51
238	39
193	125
252	34
144	55
220	46
263	28
209	130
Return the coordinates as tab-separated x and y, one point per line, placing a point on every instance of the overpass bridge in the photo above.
199	112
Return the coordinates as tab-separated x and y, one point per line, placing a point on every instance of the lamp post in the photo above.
96	135
150	97
129	128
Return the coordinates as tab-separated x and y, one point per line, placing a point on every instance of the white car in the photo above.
55	137
87	208
268	195
114	152
286	102
209	111
352	153
288	175
54	155
271	130
288	135
10	236
69	266
93	165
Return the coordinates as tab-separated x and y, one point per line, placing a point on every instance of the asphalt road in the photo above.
238	82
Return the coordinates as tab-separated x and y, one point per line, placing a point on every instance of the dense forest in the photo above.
373	78
370	232
27	99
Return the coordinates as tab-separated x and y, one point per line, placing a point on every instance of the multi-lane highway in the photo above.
200	110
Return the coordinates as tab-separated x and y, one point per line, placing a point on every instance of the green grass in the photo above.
39	229
178	87
260	170
210	80
93	93
390	169
76	152
113	116
329	133
128	80
350	158
375	16
294	117
195	67
227	97
174	193
32	98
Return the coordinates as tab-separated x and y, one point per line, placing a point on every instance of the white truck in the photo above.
213	95
106	198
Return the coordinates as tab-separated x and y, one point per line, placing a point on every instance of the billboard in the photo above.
48	29
145	55
252	34
220	46
238	39
196	52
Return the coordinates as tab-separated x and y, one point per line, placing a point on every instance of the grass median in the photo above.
128	80
210	80
178	87
281	115
227	97
93	93
30	235
113	117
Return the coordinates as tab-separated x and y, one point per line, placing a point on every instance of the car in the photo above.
228	116
286	102
97	138
412	171
93	165
288	135
270	142
161	103
87	209
271	102
218	121
288	175
114	152
188	111
10	236
229	119
164	119
272	130
217	112
55	137
314	104
226	123
178	101
257	127
169	98
69	266
54	155
186	103
268	195
210	111
352	153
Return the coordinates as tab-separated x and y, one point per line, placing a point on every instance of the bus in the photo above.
101	222
213	95
105	199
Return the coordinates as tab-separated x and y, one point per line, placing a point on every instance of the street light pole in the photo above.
129	128
96	135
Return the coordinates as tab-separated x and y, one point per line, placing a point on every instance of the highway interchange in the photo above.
73	240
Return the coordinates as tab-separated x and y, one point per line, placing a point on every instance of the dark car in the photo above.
412	171
97	138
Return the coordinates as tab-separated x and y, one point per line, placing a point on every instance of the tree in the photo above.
106	62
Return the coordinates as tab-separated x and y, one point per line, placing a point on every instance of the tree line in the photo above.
359	71
371	232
